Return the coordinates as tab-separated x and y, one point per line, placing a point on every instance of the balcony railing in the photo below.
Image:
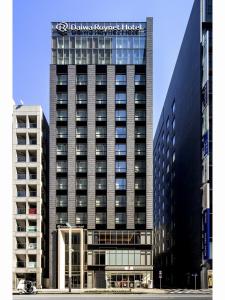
32	211
21	158
61	186
32	246
21	125
33	125
120	152
81	152
21	176
61	220
101	169
32	142
101	118
61	170
21	245
21	264
32	264
21	193
61	152
61	203
33	193
33	159
21	228
81	135
32	228
21	210
32	176
21	141
101	152
81	170
62	135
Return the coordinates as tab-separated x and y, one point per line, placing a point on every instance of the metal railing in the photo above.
21	228
21	158
33	193
21	210
32	228
33	125
21	193
21	125
21	176
21	264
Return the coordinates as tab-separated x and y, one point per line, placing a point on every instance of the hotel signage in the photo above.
64	27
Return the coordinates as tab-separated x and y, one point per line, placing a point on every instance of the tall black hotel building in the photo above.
101	154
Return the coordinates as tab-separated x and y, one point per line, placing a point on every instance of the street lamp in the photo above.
70	255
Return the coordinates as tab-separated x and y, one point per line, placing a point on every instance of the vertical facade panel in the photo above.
52	177
71	145
149	124
130	147
91	147
111	147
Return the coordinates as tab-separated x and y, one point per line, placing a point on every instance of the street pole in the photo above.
70	258
195	280
195	276
160	282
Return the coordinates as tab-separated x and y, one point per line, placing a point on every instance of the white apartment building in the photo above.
30	194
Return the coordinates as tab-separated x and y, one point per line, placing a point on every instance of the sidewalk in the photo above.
100	291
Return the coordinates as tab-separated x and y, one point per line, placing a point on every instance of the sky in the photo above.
32	40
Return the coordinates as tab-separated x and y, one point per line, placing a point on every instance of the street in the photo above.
112	297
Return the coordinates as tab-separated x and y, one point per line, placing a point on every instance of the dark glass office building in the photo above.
183	163
101	154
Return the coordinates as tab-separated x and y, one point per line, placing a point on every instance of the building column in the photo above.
71	145
149	126
91	141
52	178
130	147
110	147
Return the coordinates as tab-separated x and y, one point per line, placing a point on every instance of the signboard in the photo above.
206	233
64	27
210	278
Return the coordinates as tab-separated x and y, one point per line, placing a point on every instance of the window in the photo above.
168	123
81	200
139	79
61	201
101	149
62	79
140	149
21	121
167	138
140	132
81	218
121	115
62	132
139	166
121	183
100	115
121	166
173	107
121	98
81	97
139	115
121	201
140	201
139	183
101	183
140	218
121	149
81	79
121	132
101	201
81	132
21	139
101	97
101	166
121	79
167	153
81	183
174	156
101	79
81	149
61	115
61	183
81	115
139	97
101	132
81	166
174	140
61	149
100	218
61	166
120	218
173	124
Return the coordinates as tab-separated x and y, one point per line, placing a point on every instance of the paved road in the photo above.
112	297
